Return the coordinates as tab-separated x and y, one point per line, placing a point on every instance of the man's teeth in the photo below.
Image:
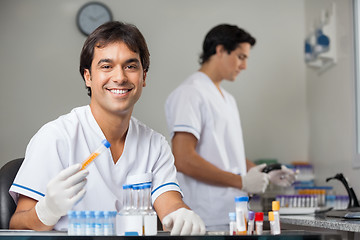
118	91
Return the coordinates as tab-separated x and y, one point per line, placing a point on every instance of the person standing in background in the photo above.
206	134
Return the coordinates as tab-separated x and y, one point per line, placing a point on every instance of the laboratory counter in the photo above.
348	229
287	234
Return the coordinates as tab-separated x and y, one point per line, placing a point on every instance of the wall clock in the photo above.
92	15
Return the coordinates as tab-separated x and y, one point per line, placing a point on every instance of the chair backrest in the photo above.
7	204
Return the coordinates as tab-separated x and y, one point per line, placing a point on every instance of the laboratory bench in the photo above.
285	235
348	229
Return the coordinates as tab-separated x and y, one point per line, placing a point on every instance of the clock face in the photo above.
92	15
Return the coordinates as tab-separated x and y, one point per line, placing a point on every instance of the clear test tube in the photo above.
99	223
80	230
259	222
136	214
241	211
72	223
109	227
295	201
274	229
89	223
136	191
287	197
278	198
272	222
127	201
150	218
104	145
232	223
275	209
307	201
250	229
291	201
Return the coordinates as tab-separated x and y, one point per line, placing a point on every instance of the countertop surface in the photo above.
321	221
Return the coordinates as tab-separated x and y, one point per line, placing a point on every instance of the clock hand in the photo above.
98	17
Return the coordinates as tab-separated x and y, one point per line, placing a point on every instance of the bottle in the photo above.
113	219
130	223
275	209
104	145
109	227
89	223
99	223
250	229
241	211
72	223
259	222
80	216
232	223
150	216
136	219
272	222
125	212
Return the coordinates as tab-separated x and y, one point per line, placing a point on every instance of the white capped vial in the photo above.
80	227
232	223
89	223
72	223
150	216
109	226
99	223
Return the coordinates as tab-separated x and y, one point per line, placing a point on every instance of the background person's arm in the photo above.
249	164
189	162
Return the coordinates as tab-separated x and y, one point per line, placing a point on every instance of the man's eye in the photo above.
105	66
131	67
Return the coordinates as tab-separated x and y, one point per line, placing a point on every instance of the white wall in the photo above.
331	102
39	57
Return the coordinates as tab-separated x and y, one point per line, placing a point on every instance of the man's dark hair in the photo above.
229	36
111	32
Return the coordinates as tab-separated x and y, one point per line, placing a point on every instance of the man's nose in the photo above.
243	65
119	75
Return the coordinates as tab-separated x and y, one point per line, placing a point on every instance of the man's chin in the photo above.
231	79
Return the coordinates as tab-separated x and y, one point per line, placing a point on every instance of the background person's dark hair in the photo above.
109	33
230	36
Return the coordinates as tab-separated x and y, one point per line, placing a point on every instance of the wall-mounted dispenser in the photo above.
320	43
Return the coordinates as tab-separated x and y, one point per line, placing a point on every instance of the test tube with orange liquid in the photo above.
104	145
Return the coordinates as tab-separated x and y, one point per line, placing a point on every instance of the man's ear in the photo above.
87	77
219	49
144	78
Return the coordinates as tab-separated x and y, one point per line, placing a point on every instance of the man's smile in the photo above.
119	91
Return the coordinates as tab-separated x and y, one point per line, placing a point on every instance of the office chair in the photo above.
7	204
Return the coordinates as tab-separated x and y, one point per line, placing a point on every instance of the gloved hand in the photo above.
184	222
255	181
283	177
62	192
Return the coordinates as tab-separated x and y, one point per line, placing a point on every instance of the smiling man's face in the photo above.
116	79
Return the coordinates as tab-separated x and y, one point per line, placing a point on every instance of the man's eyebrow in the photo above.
132	60
243	55
105	60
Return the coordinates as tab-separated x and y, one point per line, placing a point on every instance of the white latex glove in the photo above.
283	177
62	192
184	222
255	181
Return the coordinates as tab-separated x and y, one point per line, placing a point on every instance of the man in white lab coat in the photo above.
206	134
114	63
